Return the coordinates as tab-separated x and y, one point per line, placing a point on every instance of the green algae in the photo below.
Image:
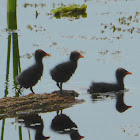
71	11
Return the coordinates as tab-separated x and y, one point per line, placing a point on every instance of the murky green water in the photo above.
108	38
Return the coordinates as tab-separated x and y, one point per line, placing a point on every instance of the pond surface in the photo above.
108	39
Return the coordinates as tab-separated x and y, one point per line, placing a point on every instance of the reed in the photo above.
13	40
2	130
16	59
11	5
20	132
11	14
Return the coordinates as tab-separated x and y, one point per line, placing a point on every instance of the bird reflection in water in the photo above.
120	105
34	122
119	96
64	125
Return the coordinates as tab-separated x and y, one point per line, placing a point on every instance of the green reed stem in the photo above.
20	133
2	132
11	5
8	65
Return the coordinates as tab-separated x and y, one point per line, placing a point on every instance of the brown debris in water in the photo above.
37	103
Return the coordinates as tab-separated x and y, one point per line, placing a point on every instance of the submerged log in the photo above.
37	103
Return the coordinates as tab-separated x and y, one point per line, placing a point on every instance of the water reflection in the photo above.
8	66
64	125
119	96
16	59
120	105
34	122
12	41
102	96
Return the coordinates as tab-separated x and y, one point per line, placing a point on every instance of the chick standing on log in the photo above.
63	72
29	77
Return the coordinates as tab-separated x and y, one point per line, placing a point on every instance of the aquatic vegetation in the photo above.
53	44
34	5
70	11
131	129
30	27
36	28
127	24
27	55
105	54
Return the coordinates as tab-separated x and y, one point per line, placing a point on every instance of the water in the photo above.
104	52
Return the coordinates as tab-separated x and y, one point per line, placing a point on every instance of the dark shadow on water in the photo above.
64	125
34	122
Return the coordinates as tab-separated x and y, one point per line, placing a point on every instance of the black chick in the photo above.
63	72
108	87
29	77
